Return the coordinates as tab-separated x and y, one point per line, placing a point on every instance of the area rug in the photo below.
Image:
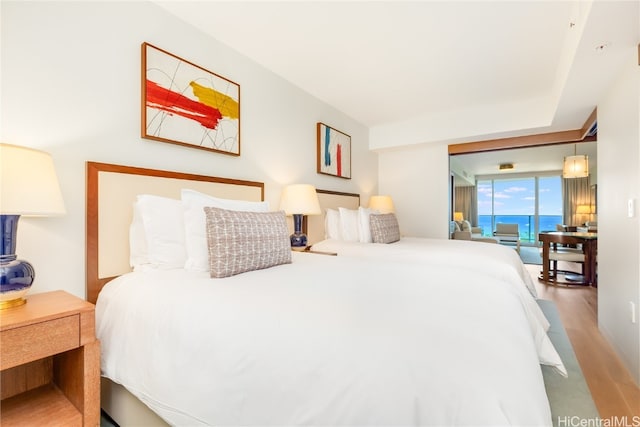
530	255
569	398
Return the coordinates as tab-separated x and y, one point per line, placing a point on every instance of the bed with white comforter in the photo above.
281	339
495	260
328	341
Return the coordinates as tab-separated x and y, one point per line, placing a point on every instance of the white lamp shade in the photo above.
458	216
575	167
28	183
383	204
300	199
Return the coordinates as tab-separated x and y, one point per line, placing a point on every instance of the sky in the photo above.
517	196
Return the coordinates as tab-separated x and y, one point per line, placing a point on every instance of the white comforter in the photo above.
493	260
496	260
324	341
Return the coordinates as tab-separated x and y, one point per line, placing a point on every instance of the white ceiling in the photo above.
534	65
416	56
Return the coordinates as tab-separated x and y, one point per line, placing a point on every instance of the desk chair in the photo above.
564	254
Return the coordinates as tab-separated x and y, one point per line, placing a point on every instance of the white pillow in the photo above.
195	223
364	225
138	254
349	221
332	224
162	220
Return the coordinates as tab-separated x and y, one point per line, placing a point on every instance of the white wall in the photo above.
417	178
70	85
619	235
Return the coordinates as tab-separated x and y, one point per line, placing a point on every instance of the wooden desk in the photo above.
589	242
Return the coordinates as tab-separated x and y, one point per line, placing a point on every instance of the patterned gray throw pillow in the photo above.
384	228
245	241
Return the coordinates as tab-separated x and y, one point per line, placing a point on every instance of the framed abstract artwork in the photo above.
334	151
185	104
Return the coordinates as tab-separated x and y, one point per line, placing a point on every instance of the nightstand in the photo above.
50	362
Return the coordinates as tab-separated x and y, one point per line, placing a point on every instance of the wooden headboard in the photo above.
328	200
111	192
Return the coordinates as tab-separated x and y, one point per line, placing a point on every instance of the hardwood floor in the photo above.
614	392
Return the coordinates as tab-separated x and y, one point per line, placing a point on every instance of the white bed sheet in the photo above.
324	341
496	260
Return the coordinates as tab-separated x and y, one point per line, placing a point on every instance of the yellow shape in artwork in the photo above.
227	106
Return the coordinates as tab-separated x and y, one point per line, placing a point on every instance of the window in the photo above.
534	203
549	202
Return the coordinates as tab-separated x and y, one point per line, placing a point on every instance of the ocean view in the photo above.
526	225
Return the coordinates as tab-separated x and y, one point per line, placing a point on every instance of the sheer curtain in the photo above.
466	203
575	191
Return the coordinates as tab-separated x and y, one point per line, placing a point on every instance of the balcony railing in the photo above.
526	224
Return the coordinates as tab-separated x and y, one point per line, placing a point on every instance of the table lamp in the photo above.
584	210
299	200
382	204
458	216
28	186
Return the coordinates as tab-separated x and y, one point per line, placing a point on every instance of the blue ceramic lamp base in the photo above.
16	276
298	238
298	241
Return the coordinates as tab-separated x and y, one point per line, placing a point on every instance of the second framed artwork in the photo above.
185	104
334	151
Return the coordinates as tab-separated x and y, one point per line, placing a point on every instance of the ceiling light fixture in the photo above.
576	166
505	166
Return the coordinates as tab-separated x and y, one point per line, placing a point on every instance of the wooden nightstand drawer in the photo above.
39	340
50	361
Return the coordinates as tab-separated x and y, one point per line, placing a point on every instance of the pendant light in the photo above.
576	166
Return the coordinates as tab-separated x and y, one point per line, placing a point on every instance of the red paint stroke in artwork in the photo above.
174	103
339	159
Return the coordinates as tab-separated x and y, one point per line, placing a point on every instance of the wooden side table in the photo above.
50	362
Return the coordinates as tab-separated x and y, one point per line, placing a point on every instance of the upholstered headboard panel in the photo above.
111	191
328	200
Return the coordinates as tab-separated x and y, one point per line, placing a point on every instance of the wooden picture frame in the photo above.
185	104
333	151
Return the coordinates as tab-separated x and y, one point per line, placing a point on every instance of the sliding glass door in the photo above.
534	203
